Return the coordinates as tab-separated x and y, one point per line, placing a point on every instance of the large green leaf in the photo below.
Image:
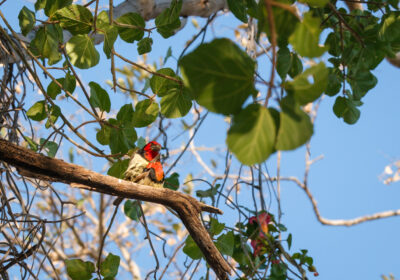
79	270
45	43
295	127
252	135
146	112
345	108
191	249
226	243
161	85
49	147
168	20
68	83
305	39
176	103
172	182
37	112
26	20
220	75
118	169
110	32
283	62
285	21
132	209
305	92
52	6
238	8
125	115
133	27
81	51
109	267
335	80
99	97
144	45
361	82
122	138
76	19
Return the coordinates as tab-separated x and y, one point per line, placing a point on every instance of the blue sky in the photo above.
345	182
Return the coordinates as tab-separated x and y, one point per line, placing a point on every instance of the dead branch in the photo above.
186	206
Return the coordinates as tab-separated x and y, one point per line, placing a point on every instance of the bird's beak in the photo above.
156	148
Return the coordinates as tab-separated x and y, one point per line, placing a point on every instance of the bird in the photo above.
145	168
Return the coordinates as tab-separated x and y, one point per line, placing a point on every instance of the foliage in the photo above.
218	76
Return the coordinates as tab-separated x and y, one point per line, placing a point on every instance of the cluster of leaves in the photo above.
78	269
264	237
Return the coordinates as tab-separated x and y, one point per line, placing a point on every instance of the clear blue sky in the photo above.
345	183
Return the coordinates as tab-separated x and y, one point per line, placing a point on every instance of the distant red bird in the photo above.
145	167
141	159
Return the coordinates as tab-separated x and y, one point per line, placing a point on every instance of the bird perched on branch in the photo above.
145	168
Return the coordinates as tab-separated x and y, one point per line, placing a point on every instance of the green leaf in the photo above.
76	19
26	20
68	83
125	115
133	29
109	267
305	39
220	75
176	103
289	241
45	43
335	80
283	62
40	4
295	127
123	137
160	85
37	112
238	8
144	45
296	65
132	210
55	112
305	92
167	55
168	20
361	82
141	142
118	169
103	135
172	182
211	192
146	112
79	270
226	243
50	147
99	97
53	5
216	227
110	32
81	51
285	21
346	109
252	135
191	249
315	3
32	144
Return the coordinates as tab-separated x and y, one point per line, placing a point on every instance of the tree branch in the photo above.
186	206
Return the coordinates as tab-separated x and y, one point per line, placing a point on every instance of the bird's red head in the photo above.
151	150
156	171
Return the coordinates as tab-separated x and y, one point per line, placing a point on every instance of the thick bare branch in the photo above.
186	206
